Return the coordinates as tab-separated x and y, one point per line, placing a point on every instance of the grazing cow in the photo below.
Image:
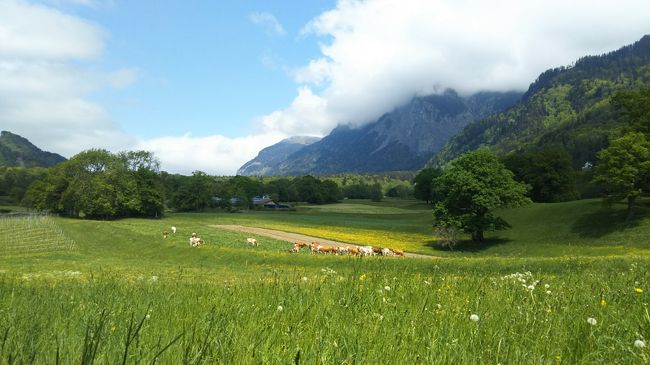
377	250
297	246
387	252
316	248
329	249
195	241
342	250
398	252
252	241
366	251
165	234
173	229
353	250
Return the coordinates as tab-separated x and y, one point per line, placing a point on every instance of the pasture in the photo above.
549	291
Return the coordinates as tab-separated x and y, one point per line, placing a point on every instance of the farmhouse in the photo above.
261	200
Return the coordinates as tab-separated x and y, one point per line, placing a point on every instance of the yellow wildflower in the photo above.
362	277
638	290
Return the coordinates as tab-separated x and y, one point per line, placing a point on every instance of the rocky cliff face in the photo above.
267	161
401	140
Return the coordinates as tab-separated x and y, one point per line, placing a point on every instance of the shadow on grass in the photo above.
469	245
606	220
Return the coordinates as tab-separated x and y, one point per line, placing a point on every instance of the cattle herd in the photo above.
314	248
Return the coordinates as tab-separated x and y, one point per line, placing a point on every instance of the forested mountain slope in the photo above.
566	107
18	151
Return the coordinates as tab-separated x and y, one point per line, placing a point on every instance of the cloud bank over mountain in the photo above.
376	55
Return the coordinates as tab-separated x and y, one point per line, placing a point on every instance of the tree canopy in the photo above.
98	184
624	168
470	189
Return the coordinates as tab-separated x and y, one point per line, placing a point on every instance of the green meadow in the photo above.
567	284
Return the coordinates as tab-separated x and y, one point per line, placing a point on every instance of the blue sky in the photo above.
204	67
205	85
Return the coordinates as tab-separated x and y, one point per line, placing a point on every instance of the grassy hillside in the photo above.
114	291
18	151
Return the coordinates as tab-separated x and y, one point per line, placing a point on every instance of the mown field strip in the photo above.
295	237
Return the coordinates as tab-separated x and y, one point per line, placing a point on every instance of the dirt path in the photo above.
296	237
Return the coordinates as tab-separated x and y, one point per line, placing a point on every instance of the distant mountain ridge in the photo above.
269	158
18	151
566	107
401	140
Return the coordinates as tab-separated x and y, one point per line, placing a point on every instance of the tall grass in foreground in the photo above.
31	234
381	316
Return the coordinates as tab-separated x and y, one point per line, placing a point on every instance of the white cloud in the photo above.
216	155
307	115
35	32
378	54
268	22
45	93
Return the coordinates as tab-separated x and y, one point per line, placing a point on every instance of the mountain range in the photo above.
268	159
401	140
16	151
566	107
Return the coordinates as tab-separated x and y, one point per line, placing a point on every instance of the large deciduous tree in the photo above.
624	168
470	189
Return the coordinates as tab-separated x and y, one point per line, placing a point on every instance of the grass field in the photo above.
122	293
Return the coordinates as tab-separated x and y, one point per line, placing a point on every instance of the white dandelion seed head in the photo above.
531	287
148	316
546	286
304	278
592	321
387	288
548	292
280	308
438	306
474	317
639	344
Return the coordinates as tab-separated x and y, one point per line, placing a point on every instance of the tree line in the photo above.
103	185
